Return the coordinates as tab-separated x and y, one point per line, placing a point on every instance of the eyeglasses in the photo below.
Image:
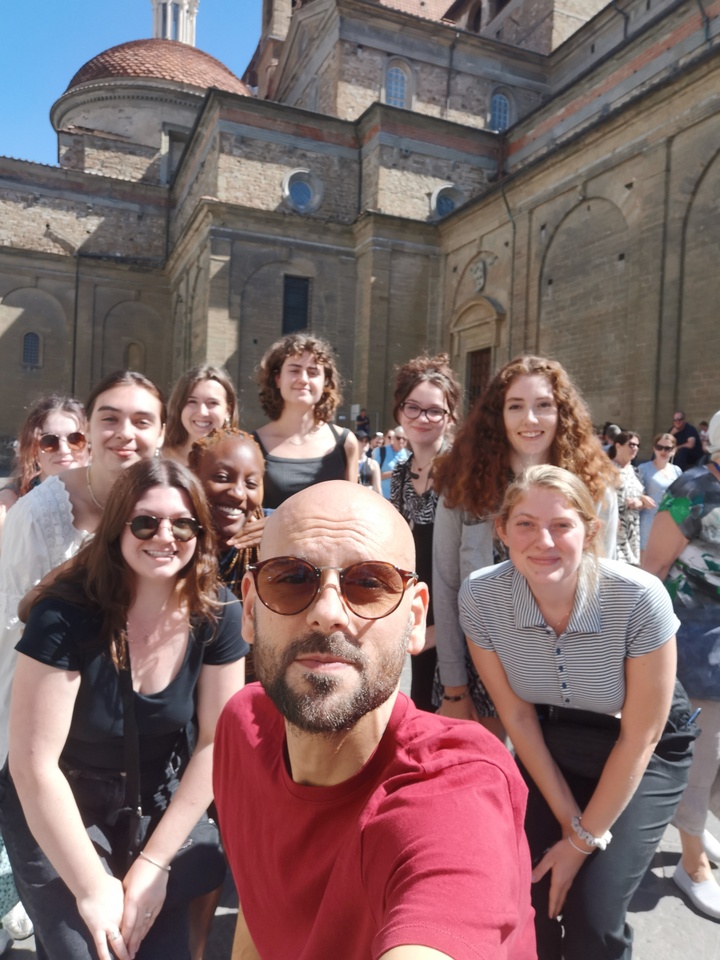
371	589
678	419
50	442
146	527
659	446
413	410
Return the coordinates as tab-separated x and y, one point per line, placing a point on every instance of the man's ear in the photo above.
249	596
418	616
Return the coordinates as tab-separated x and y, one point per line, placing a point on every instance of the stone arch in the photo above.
28	310
696	366
476	330
583	308
135	323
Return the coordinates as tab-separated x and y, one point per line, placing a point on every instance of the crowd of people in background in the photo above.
128	528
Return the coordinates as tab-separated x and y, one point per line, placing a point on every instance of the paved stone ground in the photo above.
666	926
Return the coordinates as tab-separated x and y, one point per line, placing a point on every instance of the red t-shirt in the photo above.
425	845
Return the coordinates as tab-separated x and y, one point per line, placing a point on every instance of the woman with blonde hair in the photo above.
578	654
530	413
300	393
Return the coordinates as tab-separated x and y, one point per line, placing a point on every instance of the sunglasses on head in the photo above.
146	527
50	442
371	589
659	446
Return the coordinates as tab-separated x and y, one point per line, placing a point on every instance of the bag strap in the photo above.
131	741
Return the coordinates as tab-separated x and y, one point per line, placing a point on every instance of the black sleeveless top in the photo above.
284	477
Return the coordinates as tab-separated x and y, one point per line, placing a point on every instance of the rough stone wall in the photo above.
624	224
109	158
251	173
197	177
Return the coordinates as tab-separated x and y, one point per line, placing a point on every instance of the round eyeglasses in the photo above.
146	527
371	589
50	442
413	410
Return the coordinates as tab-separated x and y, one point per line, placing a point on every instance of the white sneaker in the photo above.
5	941
711	846
17	923
705	895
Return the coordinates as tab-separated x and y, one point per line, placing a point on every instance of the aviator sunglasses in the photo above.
146	527
50	442
371	589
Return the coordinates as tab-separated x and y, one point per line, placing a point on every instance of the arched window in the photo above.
31	350
475	19
135	357
302	191
398	85
499	112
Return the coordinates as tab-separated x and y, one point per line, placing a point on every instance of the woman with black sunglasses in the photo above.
126	661
52	439
630	495
656	476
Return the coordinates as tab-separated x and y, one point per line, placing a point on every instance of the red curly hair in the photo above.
474	474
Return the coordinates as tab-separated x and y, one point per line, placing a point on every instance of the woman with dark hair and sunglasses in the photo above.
51	440
426	401
126	661
631	496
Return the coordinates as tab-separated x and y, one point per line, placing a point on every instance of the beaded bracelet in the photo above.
155	863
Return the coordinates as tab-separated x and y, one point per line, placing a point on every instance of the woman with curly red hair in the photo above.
531	413
300	392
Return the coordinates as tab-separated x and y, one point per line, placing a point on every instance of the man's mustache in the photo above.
332	645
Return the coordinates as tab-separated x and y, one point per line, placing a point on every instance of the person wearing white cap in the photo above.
684	548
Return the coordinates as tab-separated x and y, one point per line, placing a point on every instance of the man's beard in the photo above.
323	709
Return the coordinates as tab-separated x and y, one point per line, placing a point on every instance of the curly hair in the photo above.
294	345
26	465
474	474
175	433
435	370
100	578
200	447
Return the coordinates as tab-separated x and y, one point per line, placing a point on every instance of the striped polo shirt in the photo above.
625	613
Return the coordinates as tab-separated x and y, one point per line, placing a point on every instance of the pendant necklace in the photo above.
94	499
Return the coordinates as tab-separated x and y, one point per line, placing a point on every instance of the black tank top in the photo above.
284	477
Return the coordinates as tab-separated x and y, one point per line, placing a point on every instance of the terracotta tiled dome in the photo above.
159	60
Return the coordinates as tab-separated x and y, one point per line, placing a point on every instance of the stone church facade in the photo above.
485	177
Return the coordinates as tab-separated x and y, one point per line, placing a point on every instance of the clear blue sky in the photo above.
45	42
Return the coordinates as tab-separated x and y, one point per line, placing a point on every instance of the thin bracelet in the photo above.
457	699
155	863
585	853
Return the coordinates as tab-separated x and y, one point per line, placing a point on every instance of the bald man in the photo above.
356	826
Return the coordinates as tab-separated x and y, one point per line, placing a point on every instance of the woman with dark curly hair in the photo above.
531	413
52	439
300	392
203	399
427	396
